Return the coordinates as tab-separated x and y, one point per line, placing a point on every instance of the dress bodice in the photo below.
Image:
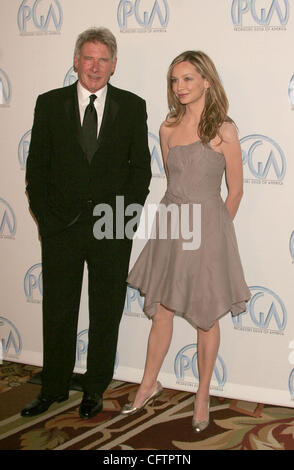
194	172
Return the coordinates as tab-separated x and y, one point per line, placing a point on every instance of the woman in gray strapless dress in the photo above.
200	279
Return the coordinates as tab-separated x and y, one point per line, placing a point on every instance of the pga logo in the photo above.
7	220
33	285
291	246
156	160
261	12
23	149
186	363
263	158
145	14
70	77
10	339
82	350
39	17
291	92
5	89
133	302
265	310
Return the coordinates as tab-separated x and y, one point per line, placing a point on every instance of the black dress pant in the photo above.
63	259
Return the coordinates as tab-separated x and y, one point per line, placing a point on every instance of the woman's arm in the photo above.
231	149
163	134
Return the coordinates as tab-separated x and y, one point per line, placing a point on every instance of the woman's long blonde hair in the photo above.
216	105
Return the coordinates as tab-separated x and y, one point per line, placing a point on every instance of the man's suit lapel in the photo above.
71	105
72	111
110	111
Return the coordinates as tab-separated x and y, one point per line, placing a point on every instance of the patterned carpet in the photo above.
235	425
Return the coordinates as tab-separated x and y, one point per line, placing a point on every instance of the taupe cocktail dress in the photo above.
202	284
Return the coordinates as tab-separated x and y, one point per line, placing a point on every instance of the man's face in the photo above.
94	66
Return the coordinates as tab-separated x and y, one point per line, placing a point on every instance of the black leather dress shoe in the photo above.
91	405
40	404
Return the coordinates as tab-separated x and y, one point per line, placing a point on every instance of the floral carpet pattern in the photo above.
166	425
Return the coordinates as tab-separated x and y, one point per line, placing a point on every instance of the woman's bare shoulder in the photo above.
229	131
166	128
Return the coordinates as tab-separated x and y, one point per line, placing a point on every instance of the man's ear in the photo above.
76	63
113	66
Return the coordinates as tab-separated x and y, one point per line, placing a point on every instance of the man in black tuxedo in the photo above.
89	145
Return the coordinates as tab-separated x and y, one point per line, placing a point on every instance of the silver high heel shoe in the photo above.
199	426
129	409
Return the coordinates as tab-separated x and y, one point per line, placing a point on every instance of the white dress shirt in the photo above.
99	103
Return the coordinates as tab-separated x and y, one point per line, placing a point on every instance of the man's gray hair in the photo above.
102	35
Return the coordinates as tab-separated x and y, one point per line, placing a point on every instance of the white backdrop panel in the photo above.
250	42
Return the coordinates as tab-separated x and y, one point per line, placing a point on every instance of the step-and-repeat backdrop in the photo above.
251	43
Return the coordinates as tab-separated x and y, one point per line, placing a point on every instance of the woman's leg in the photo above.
207	348
158	344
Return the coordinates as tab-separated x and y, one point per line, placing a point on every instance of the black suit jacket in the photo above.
60	179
